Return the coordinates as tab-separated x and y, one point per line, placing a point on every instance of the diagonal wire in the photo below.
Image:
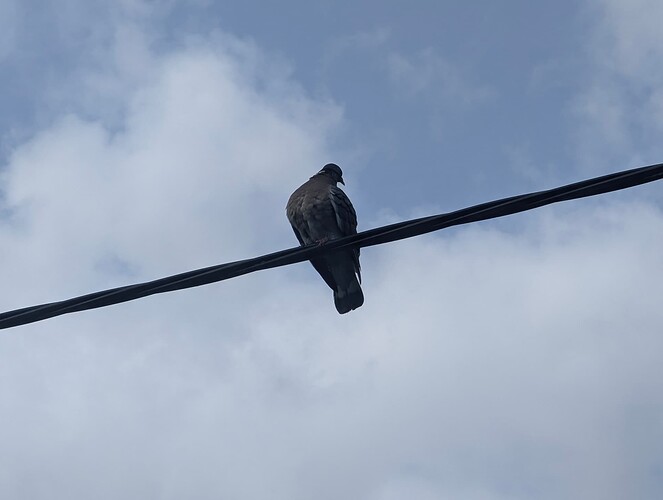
377	236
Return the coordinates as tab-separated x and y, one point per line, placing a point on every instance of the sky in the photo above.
510	359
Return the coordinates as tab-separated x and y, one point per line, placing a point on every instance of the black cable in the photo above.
377	236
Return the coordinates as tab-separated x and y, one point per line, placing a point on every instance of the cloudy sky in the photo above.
511	359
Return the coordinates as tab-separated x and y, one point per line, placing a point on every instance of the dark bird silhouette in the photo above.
320	211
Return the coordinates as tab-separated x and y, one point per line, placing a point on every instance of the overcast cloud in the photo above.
514	359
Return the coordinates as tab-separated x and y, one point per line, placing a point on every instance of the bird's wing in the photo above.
299	236
346	219
297	213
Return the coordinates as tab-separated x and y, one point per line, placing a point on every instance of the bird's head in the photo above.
334	171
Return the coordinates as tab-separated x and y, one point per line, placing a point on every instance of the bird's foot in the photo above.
321	241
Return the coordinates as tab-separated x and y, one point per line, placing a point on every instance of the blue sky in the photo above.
504	360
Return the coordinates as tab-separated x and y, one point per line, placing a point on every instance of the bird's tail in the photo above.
349	298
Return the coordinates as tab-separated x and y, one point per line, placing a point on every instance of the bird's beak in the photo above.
341	181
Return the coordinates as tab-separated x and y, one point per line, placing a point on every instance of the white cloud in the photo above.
630	38
618	112
198	134
486	365
482	366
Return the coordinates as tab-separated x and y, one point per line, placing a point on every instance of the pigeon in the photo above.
320	211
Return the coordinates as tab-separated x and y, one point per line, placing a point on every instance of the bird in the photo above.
320	211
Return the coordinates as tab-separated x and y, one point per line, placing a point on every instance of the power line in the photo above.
377	236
